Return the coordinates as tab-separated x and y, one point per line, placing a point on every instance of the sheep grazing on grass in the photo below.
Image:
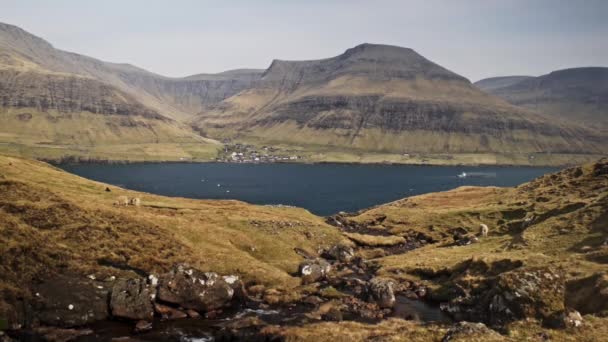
135	201
483	230
122	201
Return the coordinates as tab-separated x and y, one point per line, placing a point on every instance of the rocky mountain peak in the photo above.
372	61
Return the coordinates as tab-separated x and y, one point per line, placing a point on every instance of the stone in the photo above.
468	331
168	313
193	289
69	301
143	326
192	314
132	299
381	290
334	314
572	319
341	253
527	293
314	270
313	300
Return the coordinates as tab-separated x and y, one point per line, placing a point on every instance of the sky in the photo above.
474	38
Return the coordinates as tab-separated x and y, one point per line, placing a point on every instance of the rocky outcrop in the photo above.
381	290
514	295
194	289
132	299
341	253
70	301
469	331
314	270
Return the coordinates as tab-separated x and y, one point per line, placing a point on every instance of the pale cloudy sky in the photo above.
475	38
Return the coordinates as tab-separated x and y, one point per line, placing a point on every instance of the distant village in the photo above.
241	153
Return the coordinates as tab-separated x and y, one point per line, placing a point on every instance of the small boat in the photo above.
462	175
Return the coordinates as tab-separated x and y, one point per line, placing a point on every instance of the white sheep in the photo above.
122	201
483	230
135	201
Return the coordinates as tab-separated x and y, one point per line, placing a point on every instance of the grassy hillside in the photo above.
52	222
53	115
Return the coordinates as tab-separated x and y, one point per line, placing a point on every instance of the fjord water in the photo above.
324	189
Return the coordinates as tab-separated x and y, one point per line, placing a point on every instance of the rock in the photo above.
256	290
467	240
168	313
143	326
572	319
108	189
313	300
467	331
421	292
526	293
341	253
381	290
314	270
334	314
365	310
237	286
132	299
69	301
194	289
192	314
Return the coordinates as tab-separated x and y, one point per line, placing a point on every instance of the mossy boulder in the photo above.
526	293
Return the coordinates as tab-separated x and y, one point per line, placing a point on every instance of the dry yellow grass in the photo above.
52	221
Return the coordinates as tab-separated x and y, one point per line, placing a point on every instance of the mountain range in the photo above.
578	95
382	101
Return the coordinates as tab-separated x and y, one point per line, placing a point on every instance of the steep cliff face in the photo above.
67	93
579	95
176	98
386	99
55	103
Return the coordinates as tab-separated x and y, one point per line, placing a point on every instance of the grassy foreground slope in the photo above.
55	222
556	222
52	222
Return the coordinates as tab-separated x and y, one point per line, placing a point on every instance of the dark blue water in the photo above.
323	189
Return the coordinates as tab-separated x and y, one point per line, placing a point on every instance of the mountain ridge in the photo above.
381	98
573	94
373	99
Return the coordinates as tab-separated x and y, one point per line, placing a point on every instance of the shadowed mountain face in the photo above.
579	95
385	99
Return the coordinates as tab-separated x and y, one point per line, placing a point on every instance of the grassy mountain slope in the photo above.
52	221
55	104
386	99
578	95
56	223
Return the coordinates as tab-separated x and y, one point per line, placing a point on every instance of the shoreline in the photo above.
57	162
